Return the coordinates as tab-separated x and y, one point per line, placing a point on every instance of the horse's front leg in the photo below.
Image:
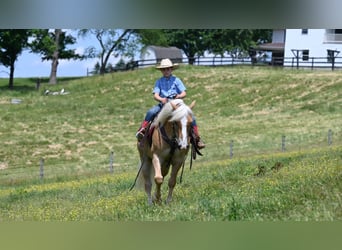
172	182
158	178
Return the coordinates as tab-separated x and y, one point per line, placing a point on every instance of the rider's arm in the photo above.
158	98
181	95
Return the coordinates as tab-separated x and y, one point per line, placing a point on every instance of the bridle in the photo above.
174	145
171	141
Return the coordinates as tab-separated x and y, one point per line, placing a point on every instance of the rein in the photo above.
172	142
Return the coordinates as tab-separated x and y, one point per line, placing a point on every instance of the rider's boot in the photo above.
200	144
142	130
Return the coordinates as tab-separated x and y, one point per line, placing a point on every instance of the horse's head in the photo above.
182	115
176	117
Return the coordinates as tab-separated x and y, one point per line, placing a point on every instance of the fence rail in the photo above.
228	149
288	62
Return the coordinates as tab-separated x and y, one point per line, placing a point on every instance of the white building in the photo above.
313	47
305	47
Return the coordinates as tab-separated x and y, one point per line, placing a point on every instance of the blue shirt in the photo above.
167	87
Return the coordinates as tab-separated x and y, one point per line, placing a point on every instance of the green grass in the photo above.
254	107
306	188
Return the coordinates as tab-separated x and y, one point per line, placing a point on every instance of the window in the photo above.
333	36
305	55
330	55
305	31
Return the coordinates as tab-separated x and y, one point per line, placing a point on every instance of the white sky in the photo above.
31	65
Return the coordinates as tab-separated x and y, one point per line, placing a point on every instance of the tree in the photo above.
152	37
193	42
236	42
112	43
52	45
12	43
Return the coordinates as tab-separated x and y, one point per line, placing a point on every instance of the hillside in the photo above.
253	107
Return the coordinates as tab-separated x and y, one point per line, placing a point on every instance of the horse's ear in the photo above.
192	105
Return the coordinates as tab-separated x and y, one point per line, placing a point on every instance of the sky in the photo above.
31	65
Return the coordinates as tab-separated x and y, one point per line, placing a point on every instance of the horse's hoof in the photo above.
158	180
157	200
168	201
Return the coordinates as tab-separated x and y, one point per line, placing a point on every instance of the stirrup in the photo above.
140	134
199	143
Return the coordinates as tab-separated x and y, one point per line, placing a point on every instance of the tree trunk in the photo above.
53	74
192	60
11	76
103	69
55	56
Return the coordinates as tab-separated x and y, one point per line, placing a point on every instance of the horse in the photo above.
165	144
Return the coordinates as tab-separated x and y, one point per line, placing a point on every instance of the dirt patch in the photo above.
315	88
2	101
3	165
212	87
55	146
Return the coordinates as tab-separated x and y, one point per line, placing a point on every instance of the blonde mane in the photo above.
168	112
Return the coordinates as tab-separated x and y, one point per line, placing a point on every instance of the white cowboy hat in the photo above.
166	63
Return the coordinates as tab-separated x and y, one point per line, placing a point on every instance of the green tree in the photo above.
52	45
152	37
113	42
235	42
193	42
120	43
12	43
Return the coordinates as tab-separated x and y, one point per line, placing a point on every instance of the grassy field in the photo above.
254	107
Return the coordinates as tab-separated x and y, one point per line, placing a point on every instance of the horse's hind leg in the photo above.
146	172
148	188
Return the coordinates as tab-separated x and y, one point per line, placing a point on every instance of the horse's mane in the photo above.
168	112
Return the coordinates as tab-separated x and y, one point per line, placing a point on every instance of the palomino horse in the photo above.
167	144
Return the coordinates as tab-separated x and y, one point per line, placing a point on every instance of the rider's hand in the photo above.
164	100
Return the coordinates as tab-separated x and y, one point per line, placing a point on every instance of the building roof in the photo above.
172	53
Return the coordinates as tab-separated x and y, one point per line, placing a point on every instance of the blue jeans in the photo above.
152	113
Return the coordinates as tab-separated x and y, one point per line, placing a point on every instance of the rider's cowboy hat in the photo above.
166	63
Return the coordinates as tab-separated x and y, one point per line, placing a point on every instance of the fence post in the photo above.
231	149
283	148
41	169
38	83
111	161
329	137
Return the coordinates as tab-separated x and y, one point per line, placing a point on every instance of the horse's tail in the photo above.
140	181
